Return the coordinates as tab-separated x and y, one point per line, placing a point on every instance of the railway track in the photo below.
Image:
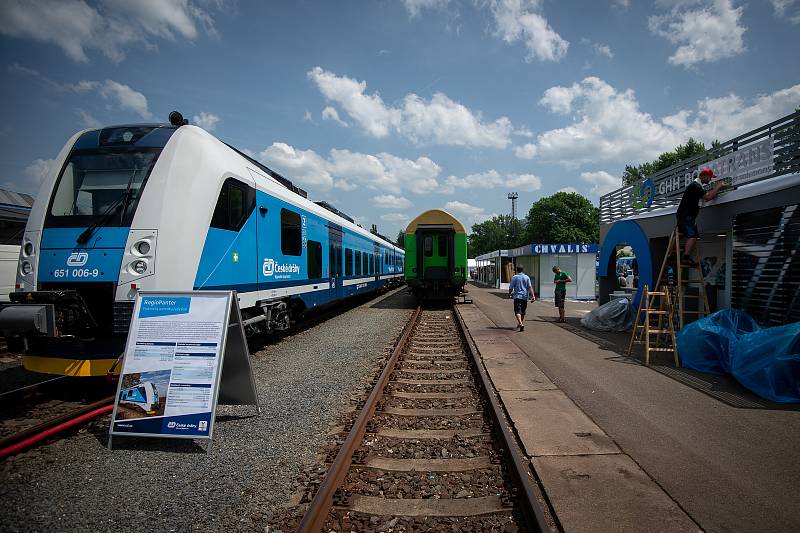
430	449
29	414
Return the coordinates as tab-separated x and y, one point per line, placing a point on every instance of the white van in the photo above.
9	257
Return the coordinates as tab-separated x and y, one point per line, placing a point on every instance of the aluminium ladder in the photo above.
682	271
664	330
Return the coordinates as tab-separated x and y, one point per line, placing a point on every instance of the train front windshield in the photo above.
100	184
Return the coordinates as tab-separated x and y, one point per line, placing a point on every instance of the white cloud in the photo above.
439	120
87	120
601	182
491	179
207	121
568	189
302	166
390	201
526	151
608	125
330	113
519	20
348	170
788	9
108	27
622	4
603	50
523	131
463	208
470	213
559	99
34	173
415	6
395	217
703	30
126	97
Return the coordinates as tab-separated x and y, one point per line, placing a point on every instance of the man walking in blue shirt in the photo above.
519	289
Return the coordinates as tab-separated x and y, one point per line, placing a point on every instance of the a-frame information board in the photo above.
185	352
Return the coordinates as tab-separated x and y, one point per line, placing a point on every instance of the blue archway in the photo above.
630	233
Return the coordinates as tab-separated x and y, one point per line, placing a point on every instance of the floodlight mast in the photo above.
513	197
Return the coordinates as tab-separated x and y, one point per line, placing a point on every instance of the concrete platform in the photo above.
668	450
608	493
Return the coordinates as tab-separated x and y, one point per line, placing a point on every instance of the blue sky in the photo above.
386	108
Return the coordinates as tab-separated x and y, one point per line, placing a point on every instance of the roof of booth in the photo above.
435	217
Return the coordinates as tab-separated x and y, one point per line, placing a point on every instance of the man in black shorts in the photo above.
519	289
690	207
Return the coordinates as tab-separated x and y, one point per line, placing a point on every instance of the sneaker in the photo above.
522	328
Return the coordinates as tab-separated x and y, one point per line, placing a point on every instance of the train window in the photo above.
366	264
428	246
235	203
371	265
348	262
358	262
442	245
314	259
291	243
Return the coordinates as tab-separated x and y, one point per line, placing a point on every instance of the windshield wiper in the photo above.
105	218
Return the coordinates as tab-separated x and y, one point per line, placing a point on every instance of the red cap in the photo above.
707	172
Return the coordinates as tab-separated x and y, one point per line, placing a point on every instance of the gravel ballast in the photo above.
304	382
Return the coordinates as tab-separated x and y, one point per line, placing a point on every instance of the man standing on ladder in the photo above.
690	207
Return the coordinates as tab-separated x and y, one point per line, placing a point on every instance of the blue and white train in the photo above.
144	395
170	207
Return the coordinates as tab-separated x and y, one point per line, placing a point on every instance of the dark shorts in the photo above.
688	226
520	306
561	295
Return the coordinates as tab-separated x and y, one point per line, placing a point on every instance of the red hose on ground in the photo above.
30	441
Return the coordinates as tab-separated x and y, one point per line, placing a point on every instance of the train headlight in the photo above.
143	247
140	266
27	249
26	268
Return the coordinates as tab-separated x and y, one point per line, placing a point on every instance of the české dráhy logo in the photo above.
270	267
77	259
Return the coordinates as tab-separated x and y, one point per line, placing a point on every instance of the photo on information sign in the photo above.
143	394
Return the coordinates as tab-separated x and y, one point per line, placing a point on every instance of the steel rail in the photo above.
317	512
12	441
32	386
529	503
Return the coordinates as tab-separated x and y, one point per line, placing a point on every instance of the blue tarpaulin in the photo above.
765	360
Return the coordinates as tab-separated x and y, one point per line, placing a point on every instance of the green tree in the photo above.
563	218
634	174
495	234
401	240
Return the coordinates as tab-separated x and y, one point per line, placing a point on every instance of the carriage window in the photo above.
314	260
366	264
428	246
290	233
235	203
348	262
442	245
372	264
358	262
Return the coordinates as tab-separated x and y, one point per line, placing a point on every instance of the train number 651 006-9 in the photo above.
76	273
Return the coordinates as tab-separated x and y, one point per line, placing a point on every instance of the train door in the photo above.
335	261
377	256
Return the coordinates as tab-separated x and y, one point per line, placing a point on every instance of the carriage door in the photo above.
335	260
